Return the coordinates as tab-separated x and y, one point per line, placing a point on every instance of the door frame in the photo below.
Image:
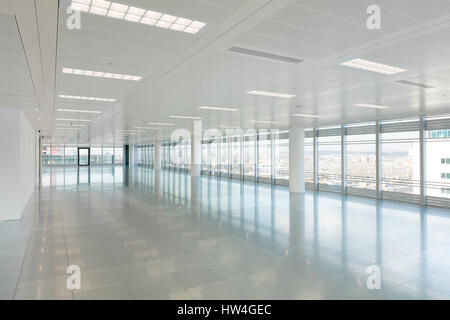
89	157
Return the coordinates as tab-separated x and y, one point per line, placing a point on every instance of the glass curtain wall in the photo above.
281	157
401	149
361	159
70	154
264	156
224	156
205	156
214	156
309	158
236	156
96	155
329	158
400	161
437	162
250	156
108	155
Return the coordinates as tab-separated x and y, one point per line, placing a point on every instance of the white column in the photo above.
157	156
196	150
296	160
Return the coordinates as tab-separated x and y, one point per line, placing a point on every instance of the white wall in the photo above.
17	163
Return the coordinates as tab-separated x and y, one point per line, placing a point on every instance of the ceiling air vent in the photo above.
266	55
415	84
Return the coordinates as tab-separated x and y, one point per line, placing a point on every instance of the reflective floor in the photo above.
146	236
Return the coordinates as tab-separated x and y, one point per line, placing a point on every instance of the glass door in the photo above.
84	156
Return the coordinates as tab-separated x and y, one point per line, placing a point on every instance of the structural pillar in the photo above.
196	150
297	160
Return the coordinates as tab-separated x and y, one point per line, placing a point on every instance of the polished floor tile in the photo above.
141	235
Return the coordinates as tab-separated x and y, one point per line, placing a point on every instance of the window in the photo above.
108	155
118	155
236	155
281	156
437	157
361	156
249	155
46	154
57	154
400	161
264	155
309	156
329	158
224	155
96	155
205	156
70	155
214	154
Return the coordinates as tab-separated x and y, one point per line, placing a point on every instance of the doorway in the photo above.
84	156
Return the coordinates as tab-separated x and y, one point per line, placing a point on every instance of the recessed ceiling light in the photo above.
132	17
77	110
373	106
177	27
100	3
117	7
161	123
79	6
218	108
191	30
116	14
63	119
163	24
186	117
136	11
148	21
271	94
99	11
64	96
372	66
100	74
305	115
183	21
135	14
264	122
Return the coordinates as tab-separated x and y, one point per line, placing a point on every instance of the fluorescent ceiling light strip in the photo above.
134	14
218	108
100	74
64	119
373	106
146	128
372	66
305	115
79	111
69	125
186	117
265	122
161	123
65	96
271	94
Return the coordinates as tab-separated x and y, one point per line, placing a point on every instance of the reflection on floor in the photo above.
139	236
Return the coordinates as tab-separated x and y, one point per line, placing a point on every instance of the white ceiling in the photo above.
183	71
